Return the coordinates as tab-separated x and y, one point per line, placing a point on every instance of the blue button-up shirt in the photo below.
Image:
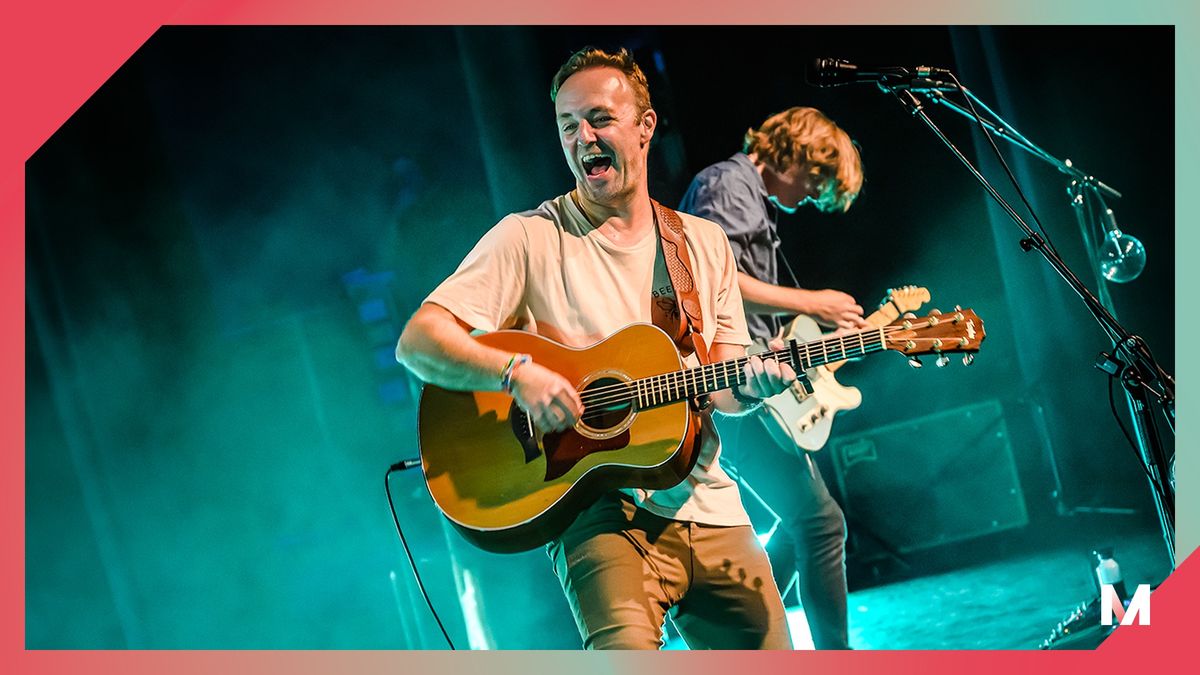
732	194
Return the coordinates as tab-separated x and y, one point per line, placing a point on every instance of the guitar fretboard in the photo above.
681	385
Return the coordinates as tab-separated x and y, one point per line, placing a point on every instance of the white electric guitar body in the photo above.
802	416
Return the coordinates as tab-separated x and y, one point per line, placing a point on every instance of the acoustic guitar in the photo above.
507	486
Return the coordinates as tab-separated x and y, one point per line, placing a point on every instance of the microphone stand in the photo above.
1145	384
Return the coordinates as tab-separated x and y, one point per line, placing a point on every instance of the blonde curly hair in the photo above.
805	136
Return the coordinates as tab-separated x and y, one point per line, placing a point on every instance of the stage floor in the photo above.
1011	603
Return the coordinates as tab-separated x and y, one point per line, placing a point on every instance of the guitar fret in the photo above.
687	383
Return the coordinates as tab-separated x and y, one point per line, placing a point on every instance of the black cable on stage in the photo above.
1112	405
401	466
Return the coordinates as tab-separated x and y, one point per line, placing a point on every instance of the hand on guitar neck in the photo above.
801	418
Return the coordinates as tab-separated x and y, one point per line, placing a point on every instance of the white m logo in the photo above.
1139	606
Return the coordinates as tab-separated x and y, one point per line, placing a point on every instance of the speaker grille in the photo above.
930	481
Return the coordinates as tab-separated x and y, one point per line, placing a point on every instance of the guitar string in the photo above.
666	387
808	349
663	385
656	385
660	387
669	384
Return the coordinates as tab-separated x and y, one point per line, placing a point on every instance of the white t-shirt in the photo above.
548	271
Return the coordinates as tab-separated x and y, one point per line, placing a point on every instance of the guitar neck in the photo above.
686	384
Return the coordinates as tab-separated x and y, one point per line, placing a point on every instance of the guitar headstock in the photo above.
936	333
907	298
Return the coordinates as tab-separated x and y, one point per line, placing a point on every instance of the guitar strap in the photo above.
686	329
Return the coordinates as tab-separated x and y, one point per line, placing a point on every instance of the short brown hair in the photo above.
591	57
806	136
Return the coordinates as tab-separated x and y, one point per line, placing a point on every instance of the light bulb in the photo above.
1122	257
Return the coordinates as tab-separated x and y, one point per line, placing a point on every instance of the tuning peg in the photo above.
935	312
915	362
909	315
968	359
942	360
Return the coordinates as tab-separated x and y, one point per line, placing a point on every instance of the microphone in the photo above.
827	72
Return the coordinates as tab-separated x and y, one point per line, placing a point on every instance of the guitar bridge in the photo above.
522	428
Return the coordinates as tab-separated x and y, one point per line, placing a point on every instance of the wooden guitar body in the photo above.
510	488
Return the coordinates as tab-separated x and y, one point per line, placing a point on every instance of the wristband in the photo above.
515	362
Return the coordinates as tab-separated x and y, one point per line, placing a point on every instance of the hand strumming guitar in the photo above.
551	401
834	308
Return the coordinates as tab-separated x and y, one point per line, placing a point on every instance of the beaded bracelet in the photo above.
515	362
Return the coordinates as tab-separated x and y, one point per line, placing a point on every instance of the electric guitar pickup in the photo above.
802	417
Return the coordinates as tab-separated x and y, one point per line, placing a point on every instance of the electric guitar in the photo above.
508	486
801	418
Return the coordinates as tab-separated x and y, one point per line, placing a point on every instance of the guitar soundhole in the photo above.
608	405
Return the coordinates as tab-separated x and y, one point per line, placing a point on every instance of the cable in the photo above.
1000	156
400	466
1093	304
1112	405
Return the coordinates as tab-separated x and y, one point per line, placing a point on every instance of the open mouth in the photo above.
595	164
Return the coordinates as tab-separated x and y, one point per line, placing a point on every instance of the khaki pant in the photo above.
623	568
811	537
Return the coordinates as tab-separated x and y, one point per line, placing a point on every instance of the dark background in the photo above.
224	242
